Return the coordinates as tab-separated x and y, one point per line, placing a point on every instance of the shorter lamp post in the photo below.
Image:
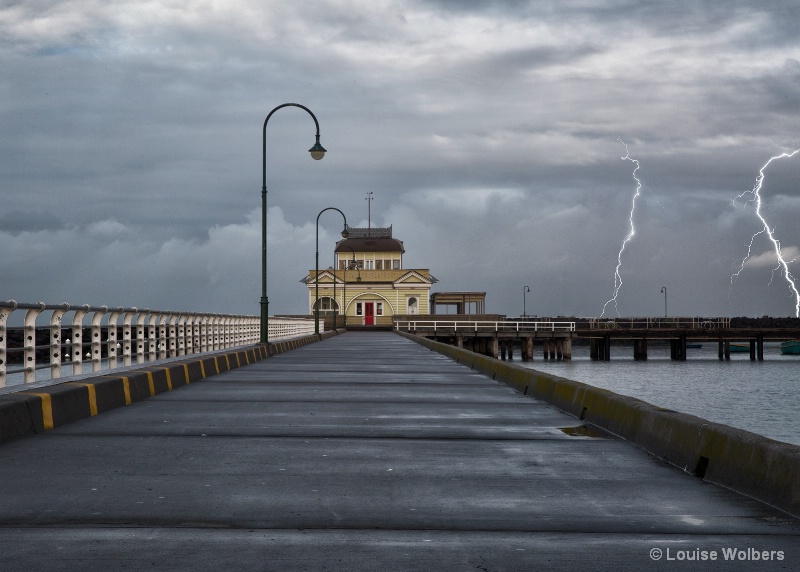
334	298
664	291
345	234
524	290
347	267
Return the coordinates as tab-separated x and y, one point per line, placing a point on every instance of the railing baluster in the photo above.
190	334
204	333
172	335
228	329
237	326
215	332
77	339
56	349
140	335
127	337
161	348
182	334
152	335
97	342
111	338
192	339
29	342
5	312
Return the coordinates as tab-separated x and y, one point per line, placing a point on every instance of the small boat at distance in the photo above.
792	347
740	348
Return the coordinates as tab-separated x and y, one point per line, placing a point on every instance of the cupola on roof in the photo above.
370	240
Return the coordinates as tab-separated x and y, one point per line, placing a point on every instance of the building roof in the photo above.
370	245
359	232
370	240
399	277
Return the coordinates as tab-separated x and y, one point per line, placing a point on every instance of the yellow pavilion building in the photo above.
369	285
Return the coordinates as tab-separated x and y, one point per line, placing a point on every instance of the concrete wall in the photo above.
745	462
34	410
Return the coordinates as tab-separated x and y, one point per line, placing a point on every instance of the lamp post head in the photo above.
345	232
317	151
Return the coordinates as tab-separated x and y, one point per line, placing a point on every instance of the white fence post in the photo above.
152	335
140	334
56	350
97	342
30	342
182	334
4	314
162	328
111	338
77	339
127	337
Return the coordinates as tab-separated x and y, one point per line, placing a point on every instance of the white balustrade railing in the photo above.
687	323
282	328
527	326
118	337
549	325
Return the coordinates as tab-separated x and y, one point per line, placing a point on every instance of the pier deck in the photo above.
364	451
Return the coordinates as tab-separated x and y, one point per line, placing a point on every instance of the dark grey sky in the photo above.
130	149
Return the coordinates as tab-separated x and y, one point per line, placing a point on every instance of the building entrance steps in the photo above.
365	451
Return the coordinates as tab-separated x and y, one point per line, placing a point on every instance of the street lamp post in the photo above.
317	153
346	268
664	291
334	298
524	290
345	234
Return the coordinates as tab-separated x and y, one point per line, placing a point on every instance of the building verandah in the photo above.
464	302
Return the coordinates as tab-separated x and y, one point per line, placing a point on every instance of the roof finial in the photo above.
369	213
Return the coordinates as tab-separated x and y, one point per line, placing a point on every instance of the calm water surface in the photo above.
762	397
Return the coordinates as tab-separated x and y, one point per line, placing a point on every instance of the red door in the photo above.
369	313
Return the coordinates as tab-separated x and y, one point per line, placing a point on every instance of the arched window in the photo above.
327	305
413	307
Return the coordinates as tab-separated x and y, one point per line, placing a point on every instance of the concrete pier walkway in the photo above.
364	451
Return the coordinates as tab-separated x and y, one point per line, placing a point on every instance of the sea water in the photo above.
759	396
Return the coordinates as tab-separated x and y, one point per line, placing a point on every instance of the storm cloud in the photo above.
489	133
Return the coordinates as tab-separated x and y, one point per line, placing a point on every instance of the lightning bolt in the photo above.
631	233
749	250
783	265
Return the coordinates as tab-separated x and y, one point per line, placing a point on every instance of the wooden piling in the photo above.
567	348
640	349
494	347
